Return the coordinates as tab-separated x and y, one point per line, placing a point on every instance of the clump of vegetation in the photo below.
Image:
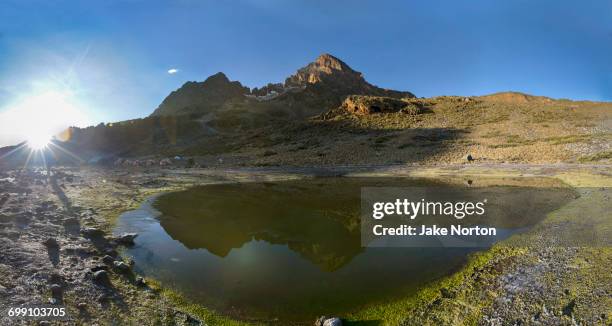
607	155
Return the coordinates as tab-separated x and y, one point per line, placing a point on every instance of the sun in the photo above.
39	117
38	141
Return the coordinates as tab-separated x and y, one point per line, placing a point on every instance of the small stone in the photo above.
335	321
44	323
82	306
469	158
140	281
331	321
101	278
121	267
56	291
108	260
126	239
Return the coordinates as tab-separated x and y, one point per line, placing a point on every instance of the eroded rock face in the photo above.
323	68
366	105
337	77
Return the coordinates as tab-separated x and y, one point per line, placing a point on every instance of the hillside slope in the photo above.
328	114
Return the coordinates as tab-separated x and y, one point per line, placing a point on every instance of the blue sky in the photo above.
113	57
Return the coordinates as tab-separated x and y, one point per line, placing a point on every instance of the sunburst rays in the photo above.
46	154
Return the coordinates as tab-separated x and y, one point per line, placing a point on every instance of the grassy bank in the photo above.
472	293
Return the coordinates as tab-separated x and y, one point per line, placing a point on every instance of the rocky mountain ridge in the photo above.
327	79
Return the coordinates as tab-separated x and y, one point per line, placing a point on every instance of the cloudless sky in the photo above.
114	56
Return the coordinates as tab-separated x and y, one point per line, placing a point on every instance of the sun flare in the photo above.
39	117
38	141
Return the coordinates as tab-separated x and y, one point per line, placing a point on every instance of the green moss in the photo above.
606	155
397	312
208	316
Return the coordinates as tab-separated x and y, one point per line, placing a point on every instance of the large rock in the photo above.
366	105
101	278
121	267
328	321
126	239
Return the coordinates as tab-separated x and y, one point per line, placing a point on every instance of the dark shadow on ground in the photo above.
54	255
60	193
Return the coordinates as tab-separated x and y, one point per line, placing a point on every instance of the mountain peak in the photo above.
326	67
328	61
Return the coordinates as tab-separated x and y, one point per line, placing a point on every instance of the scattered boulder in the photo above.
469	158
56	291
367	105
108	260
140	281
328	321
121	267
126	239
101	278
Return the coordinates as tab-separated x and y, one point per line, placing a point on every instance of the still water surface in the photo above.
291	251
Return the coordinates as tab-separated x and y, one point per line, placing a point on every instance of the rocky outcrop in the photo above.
268	89
319	86
326	68
333	74
366	105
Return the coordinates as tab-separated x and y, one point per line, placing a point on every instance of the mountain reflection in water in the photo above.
290	251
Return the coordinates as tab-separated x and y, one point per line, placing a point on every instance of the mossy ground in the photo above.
465	297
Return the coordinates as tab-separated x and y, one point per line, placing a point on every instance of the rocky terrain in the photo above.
57	247
55	251
328	114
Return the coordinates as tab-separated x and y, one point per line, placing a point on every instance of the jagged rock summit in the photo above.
325	68
319	86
